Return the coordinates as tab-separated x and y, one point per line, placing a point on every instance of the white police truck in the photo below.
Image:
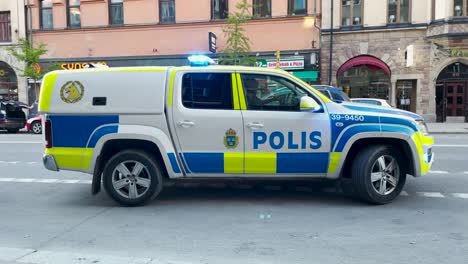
133	128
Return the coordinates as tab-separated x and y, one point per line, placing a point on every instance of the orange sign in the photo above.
37	68
79	65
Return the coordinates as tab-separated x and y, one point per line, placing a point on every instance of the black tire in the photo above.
36	123
13	131
361	169
154	174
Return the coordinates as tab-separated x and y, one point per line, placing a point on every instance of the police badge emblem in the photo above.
72	92
231	140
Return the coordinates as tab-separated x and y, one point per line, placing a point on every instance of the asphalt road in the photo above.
49	217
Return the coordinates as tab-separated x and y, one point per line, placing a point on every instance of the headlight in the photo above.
422	126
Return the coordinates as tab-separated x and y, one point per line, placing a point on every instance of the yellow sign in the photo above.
72	92
79	65
2	72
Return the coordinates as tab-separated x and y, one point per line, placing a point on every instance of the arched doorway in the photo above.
365	77
8	82
452	93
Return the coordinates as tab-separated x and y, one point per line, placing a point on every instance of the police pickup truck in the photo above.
133	128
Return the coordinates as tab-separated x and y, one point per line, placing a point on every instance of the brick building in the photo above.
414	53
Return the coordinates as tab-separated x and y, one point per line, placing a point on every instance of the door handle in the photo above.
254	125
185	123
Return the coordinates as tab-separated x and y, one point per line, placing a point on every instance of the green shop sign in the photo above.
295	63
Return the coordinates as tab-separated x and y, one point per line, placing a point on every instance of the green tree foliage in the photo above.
236	51
30	55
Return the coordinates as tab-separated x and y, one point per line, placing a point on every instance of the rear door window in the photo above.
207	91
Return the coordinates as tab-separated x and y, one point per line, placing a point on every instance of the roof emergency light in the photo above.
200	60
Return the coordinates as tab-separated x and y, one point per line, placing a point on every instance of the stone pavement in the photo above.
448	128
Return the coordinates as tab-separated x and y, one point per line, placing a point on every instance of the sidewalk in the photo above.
448	128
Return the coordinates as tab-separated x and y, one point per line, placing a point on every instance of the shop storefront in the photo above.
8	82
452	93
365	77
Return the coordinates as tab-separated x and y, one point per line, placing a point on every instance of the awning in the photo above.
371	62
308	76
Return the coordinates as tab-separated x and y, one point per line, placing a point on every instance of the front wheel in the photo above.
36	127
132	177
378	174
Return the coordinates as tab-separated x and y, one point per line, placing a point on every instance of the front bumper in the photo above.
50	163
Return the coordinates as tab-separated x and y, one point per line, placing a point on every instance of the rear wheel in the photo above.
378	174
132	177
36	127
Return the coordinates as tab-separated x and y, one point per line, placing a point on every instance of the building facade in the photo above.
414	53
12	27
165	32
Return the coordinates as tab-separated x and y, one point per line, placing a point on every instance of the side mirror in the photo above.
309	105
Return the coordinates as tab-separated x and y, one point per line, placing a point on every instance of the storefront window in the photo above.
365	81
398	11
8	83
351	12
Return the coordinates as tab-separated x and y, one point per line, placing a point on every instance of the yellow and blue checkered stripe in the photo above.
251	162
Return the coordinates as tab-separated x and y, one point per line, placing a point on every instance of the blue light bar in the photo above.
200	60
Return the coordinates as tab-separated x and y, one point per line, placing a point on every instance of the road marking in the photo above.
32	162
438	172
21	142
450	146
460	195
25	180
6	179
431	194
465	172
47	180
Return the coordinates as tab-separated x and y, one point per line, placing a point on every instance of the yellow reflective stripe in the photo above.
418	139
71	158
87	155
334	160
171	88
235	95
260	162
234	162
46	91
427	140
240	88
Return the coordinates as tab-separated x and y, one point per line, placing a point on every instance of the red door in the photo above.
456	98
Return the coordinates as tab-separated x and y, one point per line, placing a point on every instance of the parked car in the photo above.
333	93
34	125
372	101
12	116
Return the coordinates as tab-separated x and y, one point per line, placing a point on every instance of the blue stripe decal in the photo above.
74	131
348	134
205	162
173	160
398	121
181	156
111	129
302	162
340	123
398	129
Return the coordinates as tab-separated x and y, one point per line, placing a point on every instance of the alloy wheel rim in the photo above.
131	179
36	128
385	175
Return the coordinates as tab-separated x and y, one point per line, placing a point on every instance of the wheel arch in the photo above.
401	141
